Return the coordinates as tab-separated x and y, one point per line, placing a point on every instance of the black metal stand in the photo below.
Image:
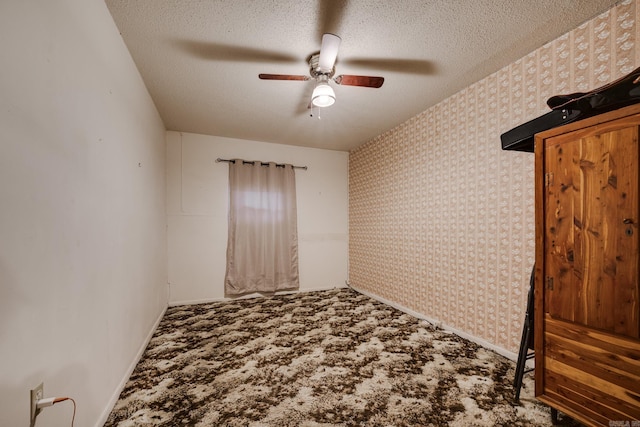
526	347
526	343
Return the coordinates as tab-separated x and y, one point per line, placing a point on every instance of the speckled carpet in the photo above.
330	358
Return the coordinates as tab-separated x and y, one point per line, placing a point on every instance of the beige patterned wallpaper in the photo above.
441	219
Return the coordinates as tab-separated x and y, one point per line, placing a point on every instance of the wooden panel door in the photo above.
587	289
591	228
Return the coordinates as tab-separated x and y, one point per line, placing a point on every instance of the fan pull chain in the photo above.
318	109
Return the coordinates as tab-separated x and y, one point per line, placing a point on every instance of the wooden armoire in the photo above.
587	293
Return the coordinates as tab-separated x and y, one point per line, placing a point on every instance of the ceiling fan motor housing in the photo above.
314	67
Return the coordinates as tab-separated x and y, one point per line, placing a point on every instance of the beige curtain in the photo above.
262	248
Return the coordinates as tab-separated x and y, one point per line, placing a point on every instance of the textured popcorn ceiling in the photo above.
200	60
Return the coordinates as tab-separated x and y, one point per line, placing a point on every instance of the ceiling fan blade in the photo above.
364	81
407	66
223	52
328	52
282	77
330	14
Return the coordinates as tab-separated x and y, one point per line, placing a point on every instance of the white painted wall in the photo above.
82	210
197	206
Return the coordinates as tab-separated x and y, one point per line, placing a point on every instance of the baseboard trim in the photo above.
486	344
116	394
255	295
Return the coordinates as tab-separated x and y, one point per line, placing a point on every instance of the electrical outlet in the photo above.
36	394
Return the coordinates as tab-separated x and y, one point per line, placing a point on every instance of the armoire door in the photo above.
587	261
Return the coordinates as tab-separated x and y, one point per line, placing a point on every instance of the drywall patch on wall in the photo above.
441	220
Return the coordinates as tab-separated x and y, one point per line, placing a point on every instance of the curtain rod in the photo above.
253	163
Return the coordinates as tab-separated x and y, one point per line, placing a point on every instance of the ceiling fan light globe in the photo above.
323	96
323	101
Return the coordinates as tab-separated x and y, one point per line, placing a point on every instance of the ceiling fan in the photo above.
322	70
